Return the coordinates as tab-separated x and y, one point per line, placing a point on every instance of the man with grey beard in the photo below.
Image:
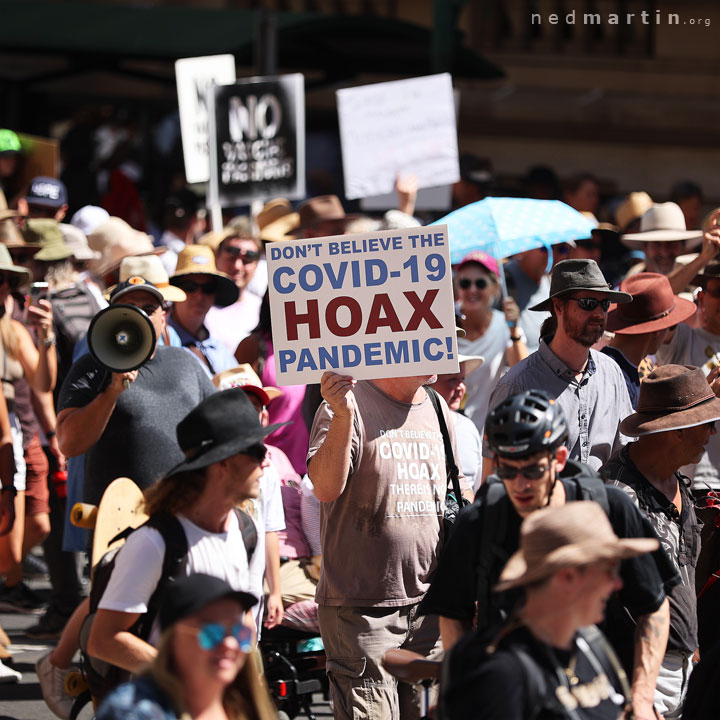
590	390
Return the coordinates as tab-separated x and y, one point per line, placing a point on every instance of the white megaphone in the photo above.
121	337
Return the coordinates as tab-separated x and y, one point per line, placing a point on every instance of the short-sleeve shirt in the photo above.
469	449
679	534
693	346
382	536
646	578
593	406
139	440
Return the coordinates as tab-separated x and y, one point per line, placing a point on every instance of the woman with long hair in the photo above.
204	667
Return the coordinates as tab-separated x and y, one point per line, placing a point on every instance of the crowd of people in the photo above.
579	429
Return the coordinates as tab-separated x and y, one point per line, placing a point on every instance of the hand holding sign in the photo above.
336	390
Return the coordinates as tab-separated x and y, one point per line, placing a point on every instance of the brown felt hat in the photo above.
579	274
323	208
574	534
672	397
654	306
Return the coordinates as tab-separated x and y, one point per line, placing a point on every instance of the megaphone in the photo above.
121	337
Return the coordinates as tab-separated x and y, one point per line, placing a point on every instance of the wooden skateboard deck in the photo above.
119	508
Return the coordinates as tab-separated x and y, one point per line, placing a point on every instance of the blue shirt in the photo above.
218	357
632	376
594	405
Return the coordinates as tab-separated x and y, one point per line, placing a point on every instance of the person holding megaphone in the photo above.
121	403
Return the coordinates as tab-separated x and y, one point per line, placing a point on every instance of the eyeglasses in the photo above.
12	280
529	472
256	452
190	286
467	283
148	309
210	635
247	256
589	304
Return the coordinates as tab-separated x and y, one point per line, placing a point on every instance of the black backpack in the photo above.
100	675
492	554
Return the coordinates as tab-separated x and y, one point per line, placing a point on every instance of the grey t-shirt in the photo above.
381	538
139	441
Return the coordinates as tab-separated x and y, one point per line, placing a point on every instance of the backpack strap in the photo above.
489	552
590	486
534	682
248	531
453	473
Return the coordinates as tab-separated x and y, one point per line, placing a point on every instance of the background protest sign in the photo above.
401	126
194	76
257	140
370	305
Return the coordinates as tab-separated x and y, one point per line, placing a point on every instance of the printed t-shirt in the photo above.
382	536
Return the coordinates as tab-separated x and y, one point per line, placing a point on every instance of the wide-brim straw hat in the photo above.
277	221
633	207
572	535
8	265
243	376
654	306
200	260
579	274
150	268
672	397
663	222
114	240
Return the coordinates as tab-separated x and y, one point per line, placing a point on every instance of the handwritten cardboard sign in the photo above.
371	305
401	126
194	76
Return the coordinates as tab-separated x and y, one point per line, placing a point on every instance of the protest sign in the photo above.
370	305
401	126
257	149
194	76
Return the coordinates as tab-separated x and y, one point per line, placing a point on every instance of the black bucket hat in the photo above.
579	274
222	425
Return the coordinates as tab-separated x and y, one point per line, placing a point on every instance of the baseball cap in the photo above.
9	142
131	285
47	192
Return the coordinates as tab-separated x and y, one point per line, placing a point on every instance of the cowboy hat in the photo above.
662	222
654	306
319	209
633	207
222	425
672	397
579	274
277	221
243	376
575	534
200	260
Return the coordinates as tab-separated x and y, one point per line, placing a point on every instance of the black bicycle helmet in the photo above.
525	424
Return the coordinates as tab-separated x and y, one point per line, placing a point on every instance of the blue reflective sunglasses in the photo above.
210	635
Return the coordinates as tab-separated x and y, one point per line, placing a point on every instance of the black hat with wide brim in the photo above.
579	274
222	425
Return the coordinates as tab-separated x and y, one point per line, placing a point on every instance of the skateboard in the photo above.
119	508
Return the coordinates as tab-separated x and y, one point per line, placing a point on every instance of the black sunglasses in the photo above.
467	283
12	280
190	286
247	256
256	452
530	472
589	304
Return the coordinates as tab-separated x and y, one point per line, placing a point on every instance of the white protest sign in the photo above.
193	77
370	305
401	126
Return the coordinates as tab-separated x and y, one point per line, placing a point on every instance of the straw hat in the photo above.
672	397
654	306
662	222
200	260
277	221
114	240
6	264
633	207
11	236
150	268
575	534
245	377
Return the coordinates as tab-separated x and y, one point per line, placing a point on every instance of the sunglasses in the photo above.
589	304
210	635
247	256
256	452
148	309
190	286
529	472
12	280
467	283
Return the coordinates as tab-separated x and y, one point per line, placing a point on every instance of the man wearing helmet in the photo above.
526	434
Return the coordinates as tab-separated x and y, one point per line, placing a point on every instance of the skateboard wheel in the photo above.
75	684
83	515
